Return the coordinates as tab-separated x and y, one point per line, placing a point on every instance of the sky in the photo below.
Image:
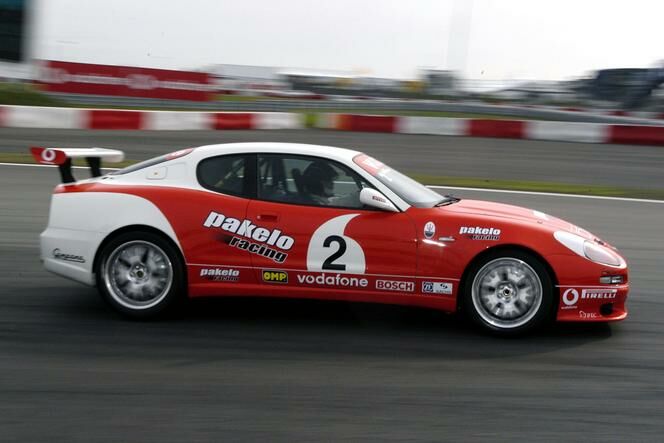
481	39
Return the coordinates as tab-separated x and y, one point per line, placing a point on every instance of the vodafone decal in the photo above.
126	81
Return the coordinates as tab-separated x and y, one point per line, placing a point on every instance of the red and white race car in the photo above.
292	220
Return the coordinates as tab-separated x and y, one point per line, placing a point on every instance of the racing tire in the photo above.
508	293
141	275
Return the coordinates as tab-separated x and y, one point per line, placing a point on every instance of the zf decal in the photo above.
331	250
430	287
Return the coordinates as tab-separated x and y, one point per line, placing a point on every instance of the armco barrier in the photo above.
71	118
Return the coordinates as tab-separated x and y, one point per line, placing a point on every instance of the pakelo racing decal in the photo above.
220	274
245	231
480	233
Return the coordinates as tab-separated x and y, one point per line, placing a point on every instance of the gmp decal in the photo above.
272	276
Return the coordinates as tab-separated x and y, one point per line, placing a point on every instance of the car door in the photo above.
216	220
328	243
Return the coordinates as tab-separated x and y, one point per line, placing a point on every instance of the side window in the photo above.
308	181
225	174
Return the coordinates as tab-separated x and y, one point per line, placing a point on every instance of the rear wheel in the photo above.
508	292
141	275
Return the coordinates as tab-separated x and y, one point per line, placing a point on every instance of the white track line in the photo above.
503	191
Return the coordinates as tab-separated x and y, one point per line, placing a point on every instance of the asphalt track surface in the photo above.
491	158
287	370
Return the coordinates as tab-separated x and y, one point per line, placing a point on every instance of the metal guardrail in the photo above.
359	105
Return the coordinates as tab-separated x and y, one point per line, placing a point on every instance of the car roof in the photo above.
339	154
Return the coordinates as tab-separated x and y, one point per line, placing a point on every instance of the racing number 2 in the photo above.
329	264
330	249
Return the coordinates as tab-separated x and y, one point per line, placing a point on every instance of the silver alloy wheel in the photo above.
138	274
507	293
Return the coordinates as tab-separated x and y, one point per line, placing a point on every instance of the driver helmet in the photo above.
318	179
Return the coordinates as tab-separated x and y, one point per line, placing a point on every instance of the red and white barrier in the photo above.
38	117
70	118
515	129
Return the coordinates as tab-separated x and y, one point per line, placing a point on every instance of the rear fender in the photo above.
79	222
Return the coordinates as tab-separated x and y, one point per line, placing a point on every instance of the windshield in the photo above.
412	192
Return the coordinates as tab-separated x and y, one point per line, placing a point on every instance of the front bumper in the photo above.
592	303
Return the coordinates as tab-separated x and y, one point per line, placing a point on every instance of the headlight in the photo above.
589	249
601	254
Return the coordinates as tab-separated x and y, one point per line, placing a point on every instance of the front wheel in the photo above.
508	293
140	275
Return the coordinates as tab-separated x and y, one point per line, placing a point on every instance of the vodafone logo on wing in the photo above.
48	155
570	297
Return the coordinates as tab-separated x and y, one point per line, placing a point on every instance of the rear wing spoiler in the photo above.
61	157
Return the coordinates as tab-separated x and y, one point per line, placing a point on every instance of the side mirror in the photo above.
375	199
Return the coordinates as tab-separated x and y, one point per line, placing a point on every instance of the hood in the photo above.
501	210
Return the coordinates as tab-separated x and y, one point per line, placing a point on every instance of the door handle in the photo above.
268	217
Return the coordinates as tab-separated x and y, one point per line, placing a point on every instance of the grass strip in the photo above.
21	94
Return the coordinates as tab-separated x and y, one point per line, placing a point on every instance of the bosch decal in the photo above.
395	285
57	254
429	287
270	276
245	228
220	274
480	233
